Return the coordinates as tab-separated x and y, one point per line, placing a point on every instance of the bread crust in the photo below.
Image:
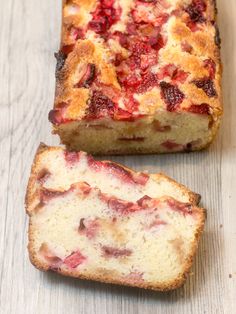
178	282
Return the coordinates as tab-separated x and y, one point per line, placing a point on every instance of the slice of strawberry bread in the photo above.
138	76
101	221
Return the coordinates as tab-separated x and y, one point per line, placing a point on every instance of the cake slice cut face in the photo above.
137	76
86	230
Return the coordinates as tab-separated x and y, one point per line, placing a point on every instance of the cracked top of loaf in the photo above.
130	59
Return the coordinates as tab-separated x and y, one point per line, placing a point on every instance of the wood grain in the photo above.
29	35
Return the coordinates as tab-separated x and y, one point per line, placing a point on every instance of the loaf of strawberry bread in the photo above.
138	76
101	221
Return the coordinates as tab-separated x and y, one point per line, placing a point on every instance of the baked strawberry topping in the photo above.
66	49
172	95
108	251
104	17
207	85
55	116
210	65
75	259
173	72
100	106
200	109
196	11
77	33
86	75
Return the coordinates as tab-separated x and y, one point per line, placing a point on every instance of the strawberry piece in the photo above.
71	157
210	65
49	256
172	71
83	187
104	17
123	39
131	139
175	205
66	49
149	81
88	227
55	116
171	145
140	178
86	75
199	109
122	207
77	33
108	251
156	223
144	201
196	10
75	259
134	277
126	175
156	42
99	106
207	85
172	96
46	195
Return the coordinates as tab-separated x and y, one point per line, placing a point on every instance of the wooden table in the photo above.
29	35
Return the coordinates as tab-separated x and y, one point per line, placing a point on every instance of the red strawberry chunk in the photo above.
86	75
171	145
99	106
172	96
175	205
108	251
200	109
104	17
75	259
50	256
210	65
207	85
196	10
134	277
122	207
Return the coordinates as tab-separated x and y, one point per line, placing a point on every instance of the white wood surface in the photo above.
29	35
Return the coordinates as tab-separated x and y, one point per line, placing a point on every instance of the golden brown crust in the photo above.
106	278
201	37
